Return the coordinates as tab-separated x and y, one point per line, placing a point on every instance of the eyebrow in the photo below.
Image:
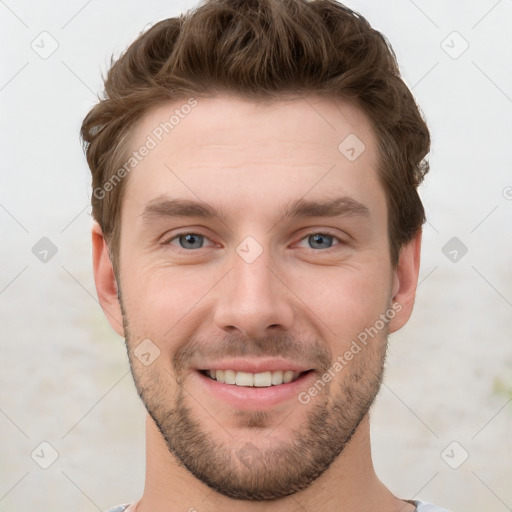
164	206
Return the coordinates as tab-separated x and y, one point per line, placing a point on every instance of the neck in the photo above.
350	483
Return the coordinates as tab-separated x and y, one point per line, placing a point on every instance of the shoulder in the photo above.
423	506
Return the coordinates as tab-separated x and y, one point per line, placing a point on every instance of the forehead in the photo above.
230	150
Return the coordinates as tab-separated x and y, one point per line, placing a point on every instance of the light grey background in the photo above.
64	376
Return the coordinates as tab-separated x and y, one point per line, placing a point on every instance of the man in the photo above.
255	168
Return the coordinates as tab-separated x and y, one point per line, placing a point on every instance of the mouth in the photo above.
253	384
257	380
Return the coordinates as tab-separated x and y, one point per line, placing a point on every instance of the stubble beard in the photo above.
244	471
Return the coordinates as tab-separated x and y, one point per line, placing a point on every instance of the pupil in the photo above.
319	239
191	240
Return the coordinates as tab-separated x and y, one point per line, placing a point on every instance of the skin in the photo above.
304	299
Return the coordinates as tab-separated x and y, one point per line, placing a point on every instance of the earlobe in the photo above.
104	278
405	280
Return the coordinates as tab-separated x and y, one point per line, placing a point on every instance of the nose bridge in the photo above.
252	280
252	299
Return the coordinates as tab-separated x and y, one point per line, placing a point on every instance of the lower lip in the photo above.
242	397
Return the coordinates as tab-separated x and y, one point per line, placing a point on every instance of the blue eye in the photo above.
194	241
190	240
320	241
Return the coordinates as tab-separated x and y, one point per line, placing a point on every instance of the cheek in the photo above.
159	300
345	300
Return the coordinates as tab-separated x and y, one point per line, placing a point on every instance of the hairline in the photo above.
127	144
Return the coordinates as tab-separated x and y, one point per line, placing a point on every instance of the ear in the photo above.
405	280
104	278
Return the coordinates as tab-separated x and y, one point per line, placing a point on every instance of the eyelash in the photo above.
322	233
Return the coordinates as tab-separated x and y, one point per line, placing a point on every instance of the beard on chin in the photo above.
245	471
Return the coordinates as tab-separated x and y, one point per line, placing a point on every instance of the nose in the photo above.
253	299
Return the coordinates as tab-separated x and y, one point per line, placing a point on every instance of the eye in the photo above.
321	240
188	240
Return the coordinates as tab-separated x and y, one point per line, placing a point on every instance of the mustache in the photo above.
310	353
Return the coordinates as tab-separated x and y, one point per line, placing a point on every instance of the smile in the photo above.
247	379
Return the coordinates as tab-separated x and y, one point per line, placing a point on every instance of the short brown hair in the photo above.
262	50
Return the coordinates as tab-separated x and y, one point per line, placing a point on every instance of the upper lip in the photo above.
255	365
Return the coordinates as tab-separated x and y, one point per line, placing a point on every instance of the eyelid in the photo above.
169	238
319	231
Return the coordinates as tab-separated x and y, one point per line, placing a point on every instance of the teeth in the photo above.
244	379
229	376
260	380
287	376
263	380
277	377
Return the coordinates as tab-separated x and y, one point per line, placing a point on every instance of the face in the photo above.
256	287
